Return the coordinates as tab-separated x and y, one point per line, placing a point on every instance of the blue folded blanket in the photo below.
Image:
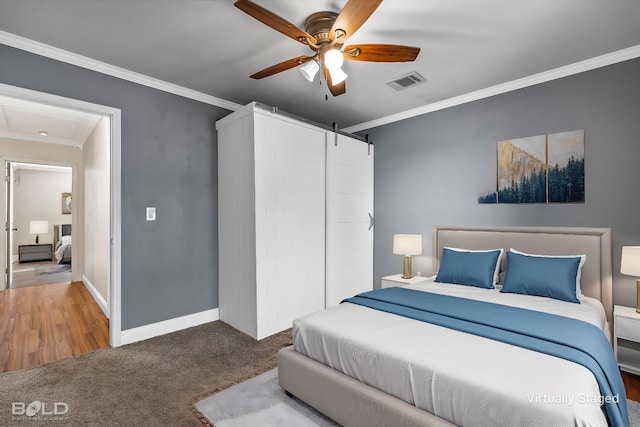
559	336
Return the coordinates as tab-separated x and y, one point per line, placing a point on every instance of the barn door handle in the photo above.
370	221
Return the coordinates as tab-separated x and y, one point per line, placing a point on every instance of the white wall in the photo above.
96	207
37	196
35	152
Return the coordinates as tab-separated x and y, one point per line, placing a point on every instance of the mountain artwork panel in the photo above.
522	170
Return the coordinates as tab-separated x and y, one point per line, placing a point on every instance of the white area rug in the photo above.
261	402
634	413
33	274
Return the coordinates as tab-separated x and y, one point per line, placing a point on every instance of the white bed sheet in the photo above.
465	379
60	252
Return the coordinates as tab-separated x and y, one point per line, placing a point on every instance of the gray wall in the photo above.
430	169
170	266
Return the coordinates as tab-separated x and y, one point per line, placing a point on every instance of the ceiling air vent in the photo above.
406	81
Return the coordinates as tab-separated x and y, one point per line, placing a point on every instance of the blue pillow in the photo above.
468	267
542	276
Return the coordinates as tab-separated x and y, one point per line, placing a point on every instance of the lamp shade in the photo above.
407	244
630	262
309	70
38	227
337	75
333	59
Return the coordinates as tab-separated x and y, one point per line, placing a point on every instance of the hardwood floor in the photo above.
41	324
631	385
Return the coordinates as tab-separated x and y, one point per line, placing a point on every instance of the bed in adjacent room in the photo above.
369	361
62	239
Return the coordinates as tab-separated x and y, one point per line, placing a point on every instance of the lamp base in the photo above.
406	271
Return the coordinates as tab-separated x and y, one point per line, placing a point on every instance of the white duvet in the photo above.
465	379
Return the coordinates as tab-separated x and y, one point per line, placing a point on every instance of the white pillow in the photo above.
583	258
65	240
496	273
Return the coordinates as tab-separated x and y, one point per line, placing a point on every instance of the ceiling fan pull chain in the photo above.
335	132
366	137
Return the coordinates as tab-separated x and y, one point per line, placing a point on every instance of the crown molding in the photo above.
62	55
556	73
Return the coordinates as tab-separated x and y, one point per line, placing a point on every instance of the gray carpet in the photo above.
261	402
148	383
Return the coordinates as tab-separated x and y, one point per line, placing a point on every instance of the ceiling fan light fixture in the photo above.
326	33
309	70
337	75
333	59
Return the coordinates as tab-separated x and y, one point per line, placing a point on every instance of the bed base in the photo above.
344	399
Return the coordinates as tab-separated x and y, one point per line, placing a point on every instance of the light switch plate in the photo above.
151	214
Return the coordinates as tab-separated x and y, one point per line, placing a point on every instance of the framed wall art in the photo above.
66	203
540	169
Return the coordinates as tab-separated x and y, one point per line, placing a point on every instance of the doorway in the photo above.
39	230
111	247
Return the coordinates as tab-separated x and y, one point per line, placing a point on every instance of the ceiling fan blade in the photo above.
283	66
381	53
352	16
274	21
337	89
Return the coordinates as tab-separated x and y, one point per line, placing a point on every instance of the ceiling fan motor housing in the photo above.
319	26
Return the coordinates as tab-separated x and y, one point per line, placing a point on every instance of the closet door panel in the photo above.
290	217
236	231
349	257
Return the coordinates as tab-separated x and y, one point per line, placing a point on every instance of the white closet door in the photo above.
349	237
290	217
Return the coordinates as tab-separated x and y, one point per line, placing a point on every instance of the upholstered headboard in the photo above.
596	280
65	230
60	230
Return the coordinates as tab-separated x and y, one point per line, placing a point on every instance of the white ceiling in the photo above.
24	120
212	47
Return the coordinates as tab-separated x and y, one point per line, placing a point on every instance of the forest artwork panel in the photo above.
540	169
566	167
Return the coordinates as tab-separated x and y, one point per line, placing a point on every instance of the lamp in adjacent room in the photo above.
407	245
38	227
630	265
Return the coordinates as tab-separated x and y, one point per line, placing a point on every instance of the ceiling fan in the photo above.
325	33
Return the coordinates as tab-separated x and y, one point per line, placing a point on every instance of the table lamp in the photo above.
38	227
630	265
407	245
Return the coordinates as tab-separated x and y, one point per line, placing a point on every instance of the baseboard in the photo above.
167	326
102	303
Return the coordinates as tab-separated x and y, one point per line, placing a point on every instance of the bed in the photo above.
364	367
62	239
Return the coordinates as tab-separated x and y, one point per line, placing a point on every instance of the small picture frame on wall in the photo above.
66	203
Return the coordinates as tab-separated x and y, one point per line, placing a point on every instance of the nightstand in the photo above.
37	252
397	280
626	338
